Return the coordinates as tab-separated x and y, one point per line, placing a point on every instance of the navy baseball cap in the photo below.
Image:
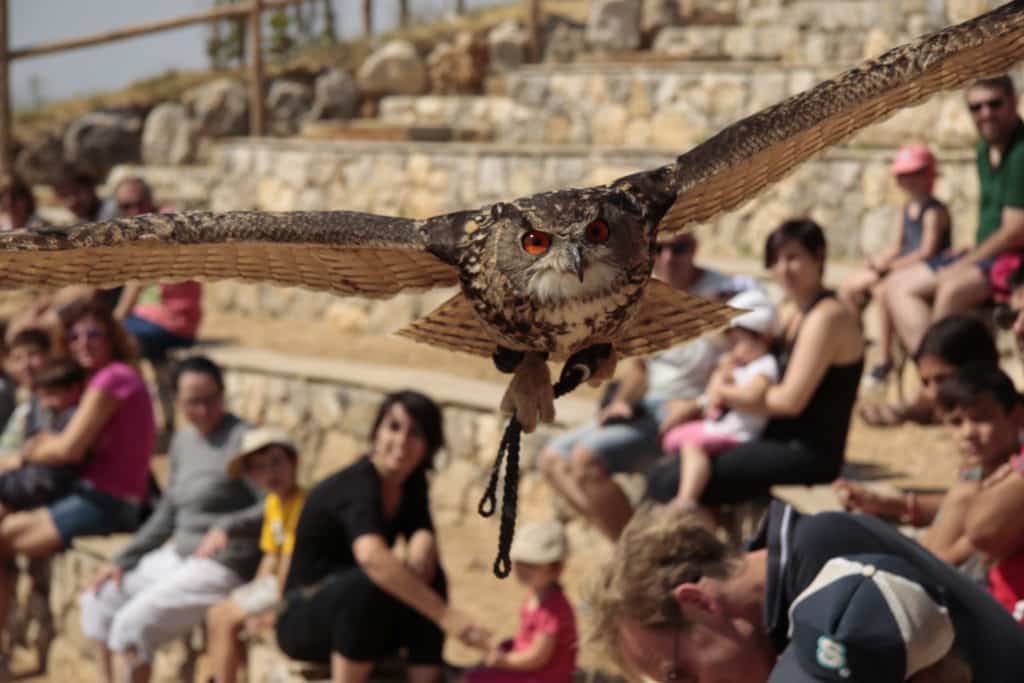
865	619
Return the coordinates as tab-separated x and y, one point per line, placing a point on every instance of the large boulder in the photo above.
41	162
336	96
563	39
507	44
100	140
220	107
169	136
656	15
394	69
459	66
614	24
288	103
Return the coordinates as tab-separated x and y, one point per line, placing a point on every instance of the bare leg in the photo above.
226	651
908	292
344	670
29	533
558	472
606	505
423	673
104	661
885	326
964	292
853	290
694	474
128	668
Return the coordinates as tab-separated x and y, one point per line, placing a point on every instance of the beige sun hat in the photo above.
256	439
539	543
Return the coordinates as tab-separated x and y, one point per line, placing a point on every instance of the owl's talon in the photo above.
529	395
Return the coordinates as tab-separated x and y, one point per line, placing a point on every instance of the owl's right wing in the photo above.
337	251
745	158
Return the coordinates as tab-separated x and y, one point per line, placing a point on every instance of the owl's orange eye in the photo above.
598	232
536	242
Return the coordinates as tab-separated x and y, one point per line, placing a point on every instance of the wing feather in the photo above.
748	156
338	251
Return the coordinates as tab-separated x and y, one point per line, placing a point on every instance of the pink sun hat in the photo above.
913	158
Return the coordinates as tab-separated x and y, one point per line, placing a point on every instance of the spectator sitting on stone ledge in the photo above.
269	459
18	205
155	590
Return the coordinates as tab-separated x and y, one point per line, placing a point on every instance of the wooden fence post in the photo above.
533	27
403	13
5	94
367	6
257	100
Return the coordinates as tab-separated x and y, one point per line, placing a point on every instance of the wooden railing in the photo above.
252	10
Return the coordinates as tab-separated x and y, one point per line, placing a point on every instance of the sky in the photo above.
112	65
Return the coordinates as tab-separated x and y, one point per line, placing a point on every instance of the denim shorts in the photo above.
627	446
90	512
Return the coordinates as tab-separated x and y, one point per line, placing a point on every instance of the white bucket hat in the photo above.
256	439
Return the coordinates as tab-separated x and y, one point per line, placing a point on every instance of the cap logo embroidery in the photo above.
832	656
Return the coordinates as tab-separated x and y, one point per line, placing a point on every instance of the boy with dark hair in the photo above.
984	413
58	387
26	353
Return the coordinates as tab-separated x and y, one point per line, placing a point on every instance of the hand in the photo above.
678	412
854	496
494	658
110	572
616	410
216	539
727	363
1001	473
259	622
461	625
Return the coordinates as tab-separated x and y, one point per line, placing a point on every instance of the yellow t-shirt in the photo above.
279	521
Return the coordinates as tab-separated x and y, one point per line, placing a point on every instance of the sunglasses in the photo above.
87	334
1004	316
997	103
677	248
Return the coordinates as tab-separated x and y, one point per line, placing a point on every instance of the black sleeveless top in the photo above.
825	421
913	228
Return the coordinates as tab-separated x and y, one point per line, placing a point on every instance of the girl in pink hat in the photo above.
924	232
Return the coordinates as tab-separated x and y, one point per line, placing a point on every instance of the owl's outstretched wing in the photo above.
748	156
336	251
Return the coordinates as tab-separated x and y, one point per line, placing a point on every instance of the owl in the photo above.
546	277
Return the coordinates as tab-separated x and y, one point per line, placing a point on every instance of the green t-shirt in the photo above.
1001	186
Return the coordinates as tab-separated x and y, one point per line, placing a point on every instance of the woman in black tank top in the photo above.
821	353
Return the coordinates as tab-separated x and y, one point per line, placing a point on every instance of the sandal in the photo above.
883	414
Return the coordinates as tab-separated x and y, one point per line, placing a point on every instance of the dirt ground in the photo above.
906	456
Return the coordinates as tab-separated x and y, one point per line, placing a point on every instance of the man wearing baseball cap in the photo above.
827	597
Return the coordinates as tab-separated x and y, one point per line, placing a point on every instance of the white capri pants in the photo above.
160	599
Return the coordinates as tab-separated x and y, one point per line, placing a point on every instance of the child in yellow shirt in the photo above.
268	458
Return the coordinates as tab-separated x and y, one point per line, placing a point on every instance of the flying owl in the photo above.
543	277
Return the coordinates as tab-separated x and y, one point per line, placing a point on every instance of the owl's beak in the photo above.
575	256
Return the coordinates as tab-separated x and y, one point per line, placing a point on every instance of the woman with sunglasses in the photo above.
113	424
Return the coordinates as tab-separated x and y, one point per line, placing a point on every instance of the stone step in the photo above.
387	130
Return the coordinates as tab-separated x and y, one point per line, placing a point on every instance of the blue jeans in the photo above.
154	341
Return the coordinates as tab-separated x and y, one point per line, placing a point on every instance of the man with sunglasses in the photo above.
625	435
957	283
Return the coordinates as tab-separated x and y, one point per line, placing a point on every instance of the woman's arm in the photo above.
532	658
422	555
70	445
935	224
884	261
126	302
268	565
995	519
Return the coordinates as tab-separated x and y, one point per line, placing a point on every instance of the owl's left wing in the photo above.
337	251
748	156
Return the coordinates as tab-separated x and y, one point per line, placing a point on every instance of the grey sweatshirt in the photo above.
200	496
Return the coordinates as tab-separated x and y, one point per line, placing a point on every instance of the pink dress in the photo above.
118	460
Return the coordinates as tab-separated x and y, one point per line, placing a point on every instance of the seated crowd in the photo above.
348	571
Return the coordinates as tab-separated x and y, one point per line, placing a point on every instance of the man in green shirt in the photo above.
958	283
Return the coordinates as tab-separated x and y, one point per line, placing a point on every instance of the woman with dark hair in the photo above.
349	598
113	425
821	355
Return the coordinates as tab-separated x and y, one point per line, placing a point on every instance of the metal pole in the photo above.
5	95
257	100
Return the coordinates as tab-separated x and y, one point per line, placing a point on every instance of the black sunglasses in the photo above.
677	248
1004	316
994	104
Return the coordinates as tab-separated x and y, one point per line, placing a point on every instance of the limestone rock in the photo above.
703	42
336	96
459	66
337	451
563	40
41	162
614	24
506	45
100	140
220	107
394	69
169	136
657	14
288	102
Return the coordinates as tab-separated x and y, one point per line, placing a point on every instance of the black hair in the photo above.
424	411
958	340
967	385
32	336
59	373
803	231
203	366
1003	82
19	189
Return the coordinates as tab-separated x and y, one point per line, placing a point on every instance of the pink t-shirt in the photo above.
552	616
174	306
118	460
